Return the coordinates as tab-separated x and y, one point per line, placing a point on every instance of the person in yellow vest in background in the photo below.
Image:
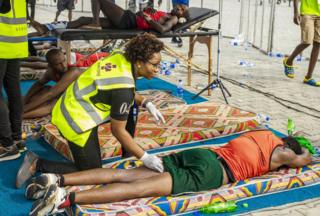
104	92
309	20
13	46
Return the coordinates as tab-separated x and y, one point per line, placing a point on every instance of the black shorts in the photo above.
128	20
65	5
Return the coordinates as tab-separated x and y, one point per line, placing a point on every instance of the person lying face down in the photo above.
251	154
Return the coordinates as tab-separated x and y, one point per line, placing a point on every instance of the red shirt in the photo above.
142	23
81	61
249	155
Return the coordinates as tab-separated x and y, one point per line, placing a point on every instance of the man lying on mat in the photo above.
118	18
41	98
252	154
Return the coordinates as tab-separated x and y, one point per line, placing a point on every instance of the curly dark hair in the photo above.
291	143
142	47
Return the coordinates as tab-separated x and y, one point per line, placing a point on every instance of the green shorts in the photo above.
194	170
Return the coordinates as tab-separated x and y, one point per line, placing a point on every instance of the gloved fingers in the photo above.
161	117
160	168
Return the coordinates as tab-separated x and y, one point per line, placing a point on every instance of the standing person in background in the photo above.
13	46
32	4
63	5
309	21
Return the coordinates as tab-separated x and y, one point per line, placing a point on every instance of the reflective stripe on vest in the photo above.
74	113
13	31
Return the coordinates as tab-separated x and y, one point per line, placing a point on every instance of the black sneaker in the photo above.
20	145
9	153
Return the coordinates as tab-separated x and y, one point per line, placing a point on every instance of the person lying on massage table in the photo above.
252	154
41	98
103	93
116	17
149	19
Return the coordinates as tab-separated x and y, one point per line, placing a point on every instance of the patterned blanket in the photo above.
283	179
184	123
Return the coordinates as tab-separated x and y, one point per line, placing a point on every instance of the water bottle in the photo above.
263	120
177	65
180	88
291	127
213	86
271	54
221	207
234	42
167	72
243	63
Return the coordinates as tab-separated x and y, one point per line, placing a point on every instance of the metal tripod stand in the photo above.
217	82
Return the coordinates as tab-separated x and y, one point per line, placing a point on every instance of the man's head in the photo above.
57	60
293	144
180	10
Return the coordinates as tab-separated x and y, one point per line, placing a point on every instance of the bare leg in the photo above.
87	21
40	28
106	175
95	7
313	59
57	15
296	52
112	11
159	185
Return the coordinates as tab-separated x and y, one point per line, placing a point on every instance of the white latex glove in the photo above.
152	162
155	112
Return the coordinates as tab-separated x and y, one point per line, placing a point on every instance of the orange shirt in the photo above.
249	155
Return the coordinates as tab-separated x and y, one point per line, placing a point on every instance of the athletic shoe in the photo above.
9	153
38	185
49	205
20	145
288	70
26	169
311	82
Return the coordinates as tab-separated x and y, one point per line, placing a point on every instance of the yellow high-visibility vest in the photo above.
13	31
75	114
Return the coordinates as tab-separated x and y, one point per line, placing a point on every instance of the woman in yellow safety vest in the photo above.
104	92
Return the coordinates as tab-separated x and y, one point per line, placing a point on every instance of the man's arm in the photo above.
162	28
293	160
56	90
36	87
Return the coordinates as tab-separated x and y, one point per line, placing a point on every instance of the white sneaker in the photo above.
50	203
38	185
